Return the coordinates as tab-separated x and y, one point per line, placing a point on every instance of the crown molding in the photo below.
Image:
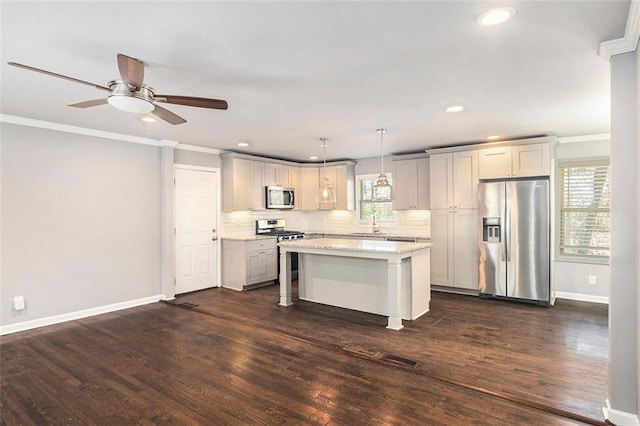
197	148
585	138
629	42
41	124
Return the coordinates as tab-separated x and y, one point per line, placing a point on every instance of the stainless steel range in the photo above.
276	227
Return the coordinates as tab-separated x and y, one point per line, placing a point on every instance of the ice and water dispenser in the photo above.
491	229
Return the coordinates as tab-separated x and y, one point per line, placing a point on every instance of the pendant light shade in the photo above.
326	193
382	189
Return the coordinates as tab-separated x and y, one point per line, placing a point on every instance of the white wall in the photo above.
80	222
194	158
571	279
624	315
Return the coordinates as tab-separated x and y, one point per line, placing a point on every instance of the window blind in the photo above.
382	210
585	203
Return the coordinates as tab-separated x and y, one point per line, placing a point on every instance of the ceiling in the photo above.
294	72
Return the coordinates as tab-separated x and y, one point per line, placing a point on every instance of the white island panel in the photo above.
348	282
382	277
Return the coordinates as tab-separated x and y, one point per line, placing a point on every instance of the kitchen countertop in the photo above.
365	246
353	235
246	237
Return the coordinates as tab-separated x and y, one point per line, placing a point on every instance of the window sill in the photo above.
585	260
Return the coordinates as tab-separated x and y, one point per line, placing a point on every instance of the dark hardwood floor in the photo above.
239	358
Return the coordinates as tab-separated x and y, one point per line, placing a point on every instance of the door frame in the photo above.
218	210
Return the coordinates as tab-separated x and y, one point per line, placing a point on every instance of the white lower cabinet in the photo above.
454	253
248	262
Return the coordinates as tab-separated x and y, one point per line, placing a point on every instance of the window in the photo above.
367	208
585	203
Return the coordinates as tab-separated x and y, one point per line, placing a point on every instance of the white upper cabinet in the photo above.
341	177
411	184
515	161
309	179
278	175
453	179
242	184
531	160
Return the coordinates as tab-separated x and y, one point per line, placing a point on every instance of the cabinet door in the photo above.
309	180
465	179
423	200
256	185
531	160
254	267
270	174
494	162
441	181
241	184
465	251
404	184
271	264
442	247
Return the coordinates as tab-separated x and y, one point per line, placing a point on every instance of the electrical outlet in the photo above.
592	280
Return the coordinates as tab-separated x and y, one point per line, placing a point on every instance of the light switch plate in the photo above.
18	303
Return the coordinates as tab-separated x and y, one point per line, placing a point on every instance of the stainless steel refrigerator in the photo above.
514	240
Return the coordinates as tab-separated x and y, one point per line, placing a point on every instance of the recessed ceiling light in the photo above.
313	157
496	16
455	108
243	144
493	137
148	119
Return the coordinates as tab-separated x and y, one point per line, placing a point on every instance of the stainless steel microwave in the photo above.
279	197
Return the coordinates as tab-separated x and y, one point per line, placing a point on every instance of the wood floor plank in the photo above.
242	359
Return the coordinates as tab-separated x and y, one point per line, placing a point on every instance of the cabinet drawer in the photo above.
262	244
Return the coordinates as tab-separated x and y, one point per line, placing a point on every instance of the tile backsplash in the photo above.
407	222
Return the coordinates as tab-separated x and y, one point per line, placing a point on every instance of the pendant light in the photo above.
382	189
325	193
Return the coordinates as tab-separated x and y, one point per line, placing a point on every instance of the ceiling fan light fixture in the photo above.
123	98
130	103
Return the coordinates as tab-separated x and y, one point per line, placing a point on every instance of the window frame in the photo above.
373	177
568	163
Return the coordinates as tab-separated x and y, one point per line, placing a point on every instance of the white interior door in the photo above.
196	195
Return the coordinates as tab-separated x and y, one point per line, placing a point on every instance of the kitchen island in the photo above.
382	277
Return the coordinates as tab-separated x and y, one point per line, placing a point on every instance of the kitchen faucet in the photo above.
375	228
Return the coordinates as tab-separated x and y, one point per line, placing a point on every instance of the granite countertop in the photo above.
355	235
370	246
247	237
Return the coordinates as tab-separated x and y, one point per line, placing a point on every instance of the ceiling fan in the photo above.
132	95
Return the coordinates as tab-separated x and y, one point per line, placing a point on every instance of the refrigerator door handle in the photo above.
507	225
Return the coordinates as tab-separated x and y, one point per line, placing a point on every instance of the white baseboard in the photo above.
56	319
619	418
582	297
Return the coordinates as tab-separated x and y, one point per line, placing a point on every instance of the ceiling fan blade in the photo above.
167	115
194	102
53	74
131	70
87	104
